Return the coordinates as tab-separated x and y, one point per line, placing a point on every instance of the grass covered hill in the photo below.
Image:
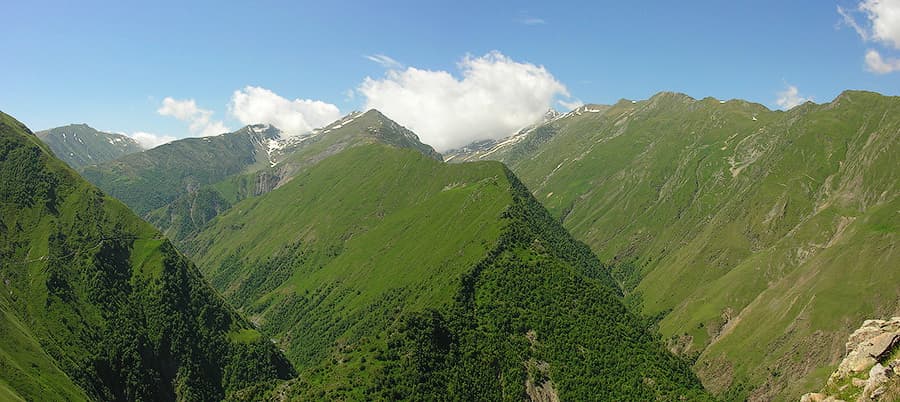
182	185
761	238
95	304
186	215
80	145
154	178
386	274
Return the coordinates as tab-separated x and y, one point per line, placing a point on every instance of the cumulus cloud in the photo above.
149	140
200	120
790	97
570	105
494	97
255	105
885	18
876	64
881	24
384	61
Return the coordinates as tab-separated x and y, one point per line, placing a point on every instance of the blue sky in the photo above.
111	64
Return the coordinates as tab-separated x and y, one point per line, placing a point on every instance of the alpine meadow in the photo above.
450	201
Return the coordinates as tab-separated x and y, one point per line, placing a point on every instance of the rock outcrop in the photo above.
869	372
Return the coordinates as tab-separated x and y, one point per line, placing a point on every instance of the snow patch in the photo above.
273	146
508	141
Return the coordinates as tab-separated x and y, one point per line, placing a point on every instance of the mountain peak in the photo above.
852	95
77	125
392	133
375	126
261	131
375	113
551	114
672	96
80	145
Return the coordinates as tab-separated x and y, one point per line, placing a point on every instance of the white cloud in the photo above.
881	24
571	105
876	64
885	18
532	21
494	97
150	140
526	18
790	97
385	61
850	21
254	105
200	120
180	109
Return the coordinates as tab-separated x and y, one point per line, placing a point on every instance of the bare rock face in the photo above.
878	378
812	397
870	367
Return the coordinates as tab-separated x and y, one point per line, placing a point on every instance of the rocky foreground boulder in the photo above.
871	369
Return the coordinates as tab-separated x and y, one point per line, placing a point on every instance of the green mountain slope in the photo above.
96	304
182	185
386	274
186	215
80	145
761	237
154	178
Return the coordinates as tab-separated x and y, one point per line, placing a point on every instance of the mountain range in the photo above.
383	273
753	241
97	305
80	145
759	238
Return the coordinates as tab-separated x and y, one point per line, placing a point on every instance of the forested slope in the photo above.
96	304
762	238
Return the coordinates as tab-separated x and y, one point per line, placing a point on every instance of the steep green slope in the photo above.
96	304
762	237
80	145
184	216
154	178
386	274
26	370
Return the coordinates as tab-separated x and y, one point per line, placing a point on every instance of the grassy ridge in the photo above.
385	274
758	235
154	178
97	304
196	189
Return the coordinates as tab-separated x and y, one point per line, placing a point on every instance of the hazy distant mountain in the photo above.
96	304
761	238
80	145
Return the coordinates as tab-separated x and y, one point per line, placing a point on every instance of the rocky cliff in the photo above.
869	371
